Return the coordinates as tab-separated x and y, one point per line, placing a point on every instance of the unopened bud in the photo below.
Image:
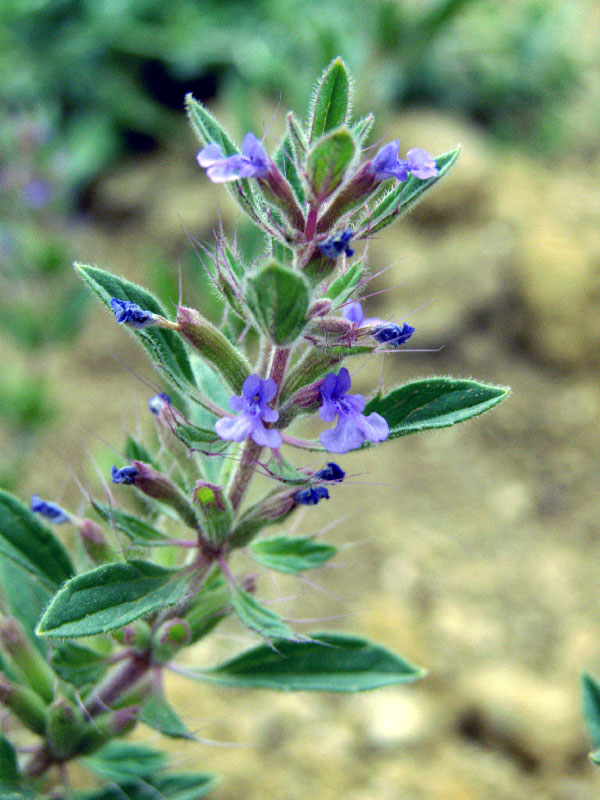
278	192
213	346
26	659
319	308
271	509
215	509
94	542
25	704
136	635
156	485
353	194
107	726
64	729
169	639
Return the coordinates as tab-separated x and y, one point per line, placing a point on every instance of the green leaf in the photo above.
434	403
278	299
9	771
342	287
136	529
403	197
285	160
25	597
76	664
258	618
286	472
591	709
136	451
330	106
362	127
164	346
333	662
121	761
291	555
194	437
184	785
158	714
329	160
109	597
33	546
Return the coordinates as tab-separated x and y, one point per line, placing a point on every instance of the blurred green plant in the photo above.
110	73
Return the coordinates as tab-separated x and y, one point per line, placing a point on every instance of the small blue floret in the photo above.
394	335
49	511
158	402
130	314
126	475
311	496
332	472
336	245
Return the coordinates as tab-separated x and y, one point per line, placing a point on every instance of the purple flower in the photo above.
253	411
50	511
157	403
311	495
37	193
126	475
253	163
336	245
394	335
353	313
332	472
419	163
130	314
353	427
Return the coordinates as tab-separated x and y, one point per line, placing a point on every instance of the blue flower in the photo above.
419	163
394	335
125	475
131	314
353	427
50	511
253	163
332	472
311	495
253	411
158	402
353	313
336	245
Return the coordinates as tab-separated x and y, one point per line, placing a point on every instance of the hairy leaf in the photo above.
591	708
33	546
158	714
278	298
333	662
342	287
329	160
137	530
330	106
164	346
258	618
109	597
291	555
434	403
76	664
120	761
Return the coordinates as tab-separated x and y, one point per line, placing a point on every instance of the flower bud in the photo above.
169	639
213	346
107	726
273	508
278	192
319	308
64	729
94	542
26	659
215	509
156	485
25	704
136	635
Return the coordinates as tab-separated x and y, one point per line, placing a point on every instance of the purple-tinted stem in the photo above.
244	472
117	681
280	360
311	222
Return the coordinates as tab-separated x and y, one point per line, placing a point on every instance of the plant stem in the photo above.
243	474
121	678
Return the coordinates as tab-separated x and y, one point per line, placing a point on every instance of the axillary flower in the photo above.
418	163
253	411
353	427
253	163
50	511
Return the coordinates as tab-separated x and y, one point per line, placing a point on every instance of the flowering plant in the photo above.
225	421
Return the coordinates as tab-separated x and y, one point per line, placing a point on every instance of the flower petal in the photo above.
209	155
421	164
265	436
374	427
343	381
251	387
353	313
234	429
346	435
267	391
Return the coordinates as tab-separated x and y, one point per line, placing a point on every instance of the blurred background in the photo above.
472	551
